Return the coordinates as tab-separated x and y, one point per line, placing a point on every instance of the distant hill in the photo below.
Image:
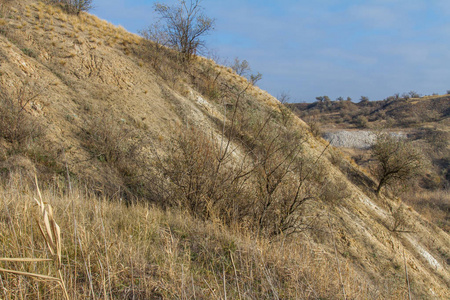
391	112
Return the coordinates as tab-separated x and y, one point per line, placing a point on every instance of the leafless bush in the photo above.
111	141
399	218
17	126
396	160
286	114
207	81
276	157
157	42
240	67
190	166
336	159
74	6
314	127
334	191
253	172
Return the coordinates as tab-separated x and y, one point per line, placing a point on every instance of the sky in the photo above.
310	48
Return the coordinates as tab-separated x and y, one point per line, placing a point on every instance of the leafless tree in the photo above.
240	67
396	160
184	25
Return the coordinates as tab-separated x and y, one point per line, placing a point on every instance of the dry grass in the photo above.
433	205
113	250
110	250
51	233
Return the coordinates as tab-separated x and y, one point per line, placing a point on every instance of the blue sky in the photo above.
309	48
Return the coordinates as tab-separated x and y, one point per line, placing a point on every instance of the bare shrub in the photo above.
206	180
240	67
314	127
414	94
399	218
190	167
336	158
396	160
207	81
276	157
286	114
112	142
334	191
73	6
155	49
17	126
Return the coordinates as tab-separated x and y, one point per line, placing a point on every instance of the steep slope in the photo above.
127	119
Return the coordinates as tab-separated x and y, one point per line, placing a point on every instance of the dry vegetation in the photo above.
171	179
425	121
138	251
394	111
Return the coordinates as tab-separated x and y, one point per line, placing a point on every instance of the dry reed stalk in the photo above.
108	268
235	275
74	223
407	278
52	236
341	282
224	283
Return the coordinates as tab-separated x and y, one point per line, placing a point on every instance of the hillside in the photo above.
423	120
183	180
391	112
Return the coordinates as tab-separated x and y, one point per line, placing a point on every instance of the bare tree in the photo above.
240	67
396	160
184	25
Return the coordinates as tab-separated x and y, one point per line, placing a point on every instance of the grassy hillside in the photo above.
182	180
424	120
139	251
392	112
